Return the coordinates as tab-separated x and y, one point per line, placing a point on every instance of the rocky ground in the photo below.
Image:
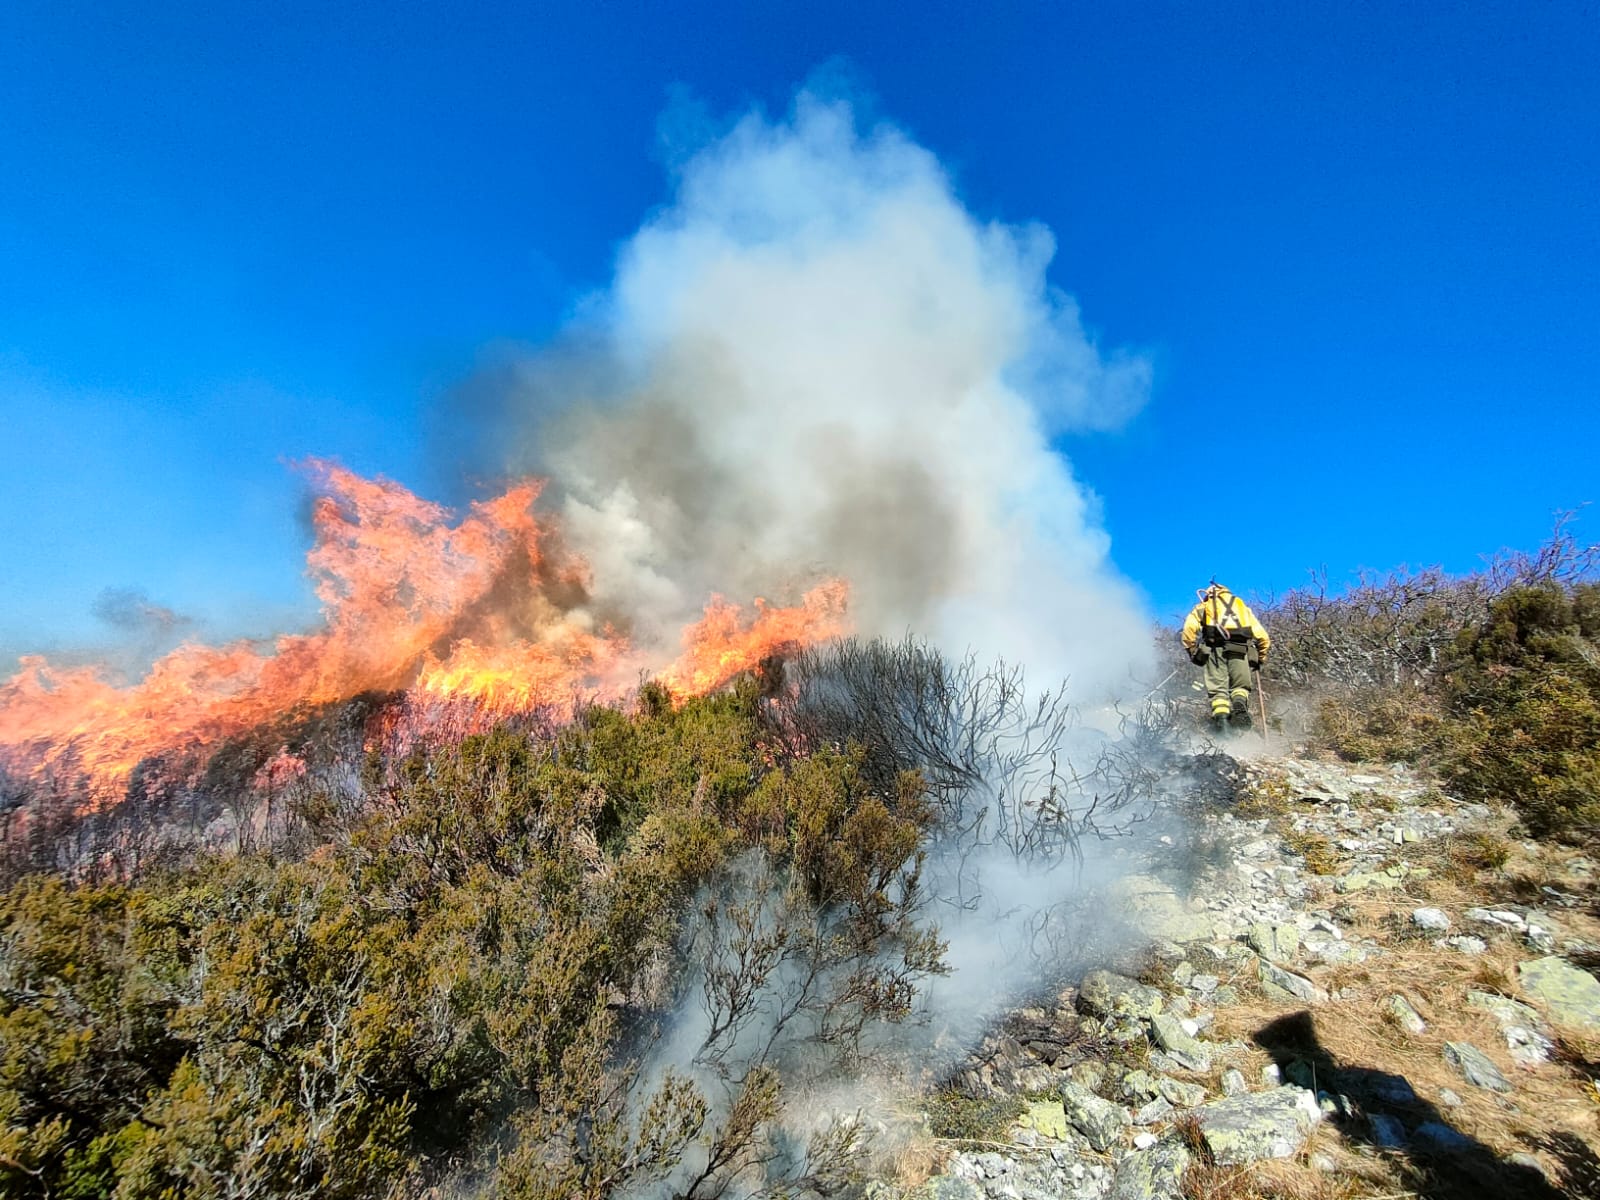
1356	988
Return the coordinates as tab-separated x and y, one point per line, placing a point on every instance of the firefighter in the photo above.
1223	636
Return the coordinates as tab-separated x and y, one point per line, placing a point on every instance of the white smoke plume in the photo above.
815	361
812	362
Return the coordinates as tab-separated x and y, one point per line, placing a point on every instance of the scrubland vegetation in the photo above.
465	963
460	961
1491	679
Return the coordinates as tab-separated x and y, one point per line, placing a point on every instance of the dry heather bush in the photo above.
1381	725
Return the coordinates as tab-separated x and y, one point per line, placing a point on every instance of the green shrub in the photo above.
1525	687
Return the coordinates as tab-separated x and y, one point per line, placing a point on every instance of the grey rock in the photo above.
1233	1082
1404	1015
1153	1174
1475	1066
1430	918
1276	943
1468	944
1139	1087
1159	1109
1520	1026
949	1187
1450	1099
1526	1161
1567	995
1089	1075
1362	881
1098	1120
1205	984
1504	918
1183	973
1225	996
1144	1139
1106	994
1442	1137
1336	952
1182	1095
1190	1054
1155	909
1295	985
1245	1129
1387	1131
1390	1089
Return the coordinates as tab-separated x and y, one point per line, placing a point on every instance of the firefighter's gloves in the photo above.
1200	655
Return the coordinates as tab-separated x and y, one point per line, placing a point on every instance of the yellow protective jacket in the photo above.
1223	617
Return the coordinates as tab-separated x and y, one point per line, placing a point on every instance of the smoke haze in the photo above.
814	361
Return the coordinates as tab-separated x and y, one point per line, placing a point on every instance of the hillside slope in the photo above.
1369	992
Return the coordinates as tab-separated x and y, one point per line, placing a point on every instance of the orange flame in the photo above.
488	610
721	644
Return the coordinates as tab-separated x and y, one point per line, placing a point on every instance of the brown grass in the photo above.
1551	1101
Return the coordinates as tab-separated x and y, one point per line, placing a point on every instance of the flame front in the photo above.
490	610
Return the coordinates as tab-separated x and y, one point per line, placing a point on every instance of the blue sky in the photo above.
1360	242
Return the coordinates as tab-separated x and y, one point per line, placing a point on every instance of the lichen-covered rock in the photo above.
1361	881
948	1187
1246	1129
1295	985
1155	909
1276	943
1475	1066
1106	994
1404	1015
1184	1095
1098	1120
1519	1023
1153	1174
1139	1087
1567	995
1189	1053
1431	918
1046	1118
1159	1109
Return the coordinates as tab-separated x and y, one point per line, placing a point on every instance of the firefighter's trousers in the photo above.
1227	678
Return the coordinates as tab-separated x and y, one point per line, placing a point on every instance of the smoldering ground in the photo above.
1011	893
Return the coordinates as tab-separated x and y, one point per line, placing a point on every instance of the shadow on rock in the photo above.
1382	1110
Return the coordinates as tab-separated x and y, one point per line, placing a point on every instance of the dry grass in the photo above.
1291	1180
918	1161
1321	856
1554	1112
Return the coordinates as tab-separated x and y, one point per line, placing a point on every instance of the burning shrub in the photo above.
478	942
